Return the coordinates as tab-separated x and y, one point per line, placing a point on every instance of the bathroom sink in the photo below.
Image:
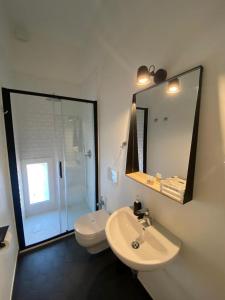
140	248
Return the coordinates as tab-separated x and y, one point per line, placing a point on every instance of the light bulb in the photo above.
173	86
143	76
143	80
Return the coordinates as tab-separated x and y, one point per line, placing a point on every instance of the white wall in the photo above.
176	35
189	37
7	256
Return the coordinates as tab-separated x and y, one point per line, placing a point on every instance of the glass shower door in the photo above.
79	160
37	159
55	164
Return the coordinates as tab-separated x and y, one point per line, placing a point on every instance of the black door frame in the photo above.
12	156
145	133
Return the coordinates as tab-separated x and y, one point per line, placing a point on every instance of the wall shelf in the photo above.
142	178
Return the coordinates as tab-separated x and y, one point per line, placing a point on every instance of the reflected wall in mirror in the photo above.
163	135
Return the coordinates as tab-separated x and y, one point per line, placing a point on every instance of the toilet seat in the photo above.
92	225
90	231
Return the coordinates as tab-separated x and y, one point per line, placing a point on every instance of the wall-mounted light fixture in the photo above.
173	86
147	75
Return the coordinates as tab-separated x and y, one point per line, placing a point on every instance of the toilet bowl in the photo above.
90	231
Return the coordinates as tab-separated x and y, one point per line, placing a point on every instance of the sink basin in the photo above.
140	248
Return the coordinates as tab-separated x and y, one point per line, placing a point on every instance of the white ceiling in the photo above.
54	18
72	36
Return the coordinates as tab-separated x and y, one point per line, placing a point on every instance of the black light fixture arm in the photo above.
151	70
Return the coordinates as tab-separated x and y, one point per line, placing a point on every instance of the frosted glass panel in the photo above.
79	159
38	189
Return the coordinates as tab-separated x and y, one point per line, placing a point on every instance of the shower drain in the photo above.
135	244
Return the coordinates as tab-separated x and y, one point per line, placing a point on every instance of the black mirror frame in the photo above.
132	163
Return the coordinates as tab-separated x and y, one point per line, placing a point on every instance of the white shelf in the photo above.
142	178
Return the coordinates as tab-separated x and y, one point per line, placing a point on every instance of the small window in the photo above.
38	182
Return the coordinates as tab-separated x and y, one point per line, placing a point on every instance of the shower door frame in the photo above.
6	92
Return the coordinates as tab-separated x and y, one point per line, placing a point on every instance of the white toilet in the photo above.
90	231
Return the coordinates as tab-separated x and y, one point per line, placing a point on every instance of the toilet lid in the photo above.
92	223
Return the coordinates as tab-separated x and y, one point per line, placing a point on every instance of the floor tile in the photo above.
64	270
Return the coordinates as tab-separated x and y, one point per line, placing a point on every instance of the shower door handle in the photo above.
60	170
88	154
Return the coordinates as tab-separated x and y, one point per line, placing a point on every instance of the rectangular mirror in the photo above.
163	135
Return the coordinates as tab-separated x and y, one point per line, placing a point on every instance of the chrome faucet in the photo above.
144	217
147	220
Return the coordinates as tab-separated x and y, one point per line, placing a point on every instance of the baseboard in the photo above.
46	243
14	275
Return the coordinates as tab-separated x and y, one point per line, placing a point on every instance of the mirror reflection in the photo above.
165	118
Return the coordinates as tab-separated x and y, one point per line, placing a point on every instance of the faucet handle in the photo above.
141	213
144	210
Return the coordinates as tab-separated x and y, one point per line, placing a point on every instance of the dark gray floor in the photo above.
64	270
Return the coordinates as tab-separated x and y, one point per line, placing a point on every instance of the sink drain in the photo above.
135	244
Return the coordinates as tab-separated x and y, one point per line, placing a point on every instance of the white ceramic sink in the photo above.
157	246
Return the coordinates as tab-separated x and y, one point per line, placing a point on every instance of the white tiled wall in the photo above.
45	129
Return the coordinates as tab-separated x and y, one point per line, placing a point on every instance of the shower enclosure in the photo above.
52	148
